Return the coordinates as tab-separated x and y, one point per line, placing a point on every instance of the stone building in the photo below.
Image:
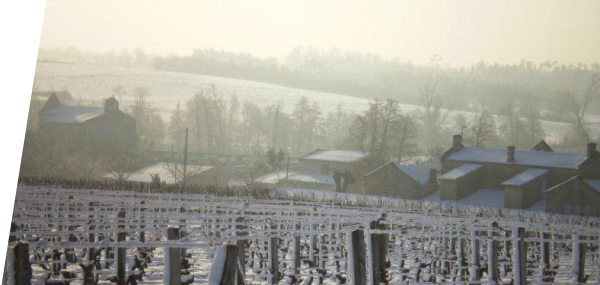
104	127
405	181
329	161
579	195
522	176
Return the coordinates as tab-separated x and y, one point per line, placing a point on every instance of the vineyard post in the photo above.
296	262
313	238
142	237
121	257
544	256
21	265
545	249
13	228
241	243
232	273
378	251
520	257
69	252
274	256
321	257
182	232
579	250
357	258
493	272
173	260
461	255
506	252
91	227
474	264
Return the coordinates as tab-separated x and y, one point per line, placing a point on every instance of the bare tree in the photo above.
121	166
175	169
432	116
590	93
407	131
483	128
389	114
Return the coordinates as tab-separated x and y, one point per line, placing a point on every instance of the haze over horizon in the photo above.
461	32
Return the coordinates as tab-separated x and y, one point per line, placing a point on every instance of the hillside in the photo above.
91	83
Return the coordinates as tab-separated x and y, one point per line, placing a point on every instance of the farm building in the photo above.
298	179
198	175
109	126
521	175
37	102
575	196
542	146
328	161
405	181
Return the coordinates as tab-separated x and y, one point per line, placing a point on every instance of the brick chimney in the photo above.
432	176
591	149
457	142
510	154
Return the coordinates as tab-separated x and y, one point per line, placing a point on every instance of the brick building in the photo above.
404	181
521	177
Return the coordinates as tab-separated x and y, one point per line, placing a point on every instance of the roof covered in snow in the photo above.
309	177
144	174
484	197
522	157
460	171
72	114
419	173
336	155
595	184
525	176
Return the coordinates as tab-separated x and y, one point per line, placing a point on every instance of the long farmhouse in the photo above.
564	182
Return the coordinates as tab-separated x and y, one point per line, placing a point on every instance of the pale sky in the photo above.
462	32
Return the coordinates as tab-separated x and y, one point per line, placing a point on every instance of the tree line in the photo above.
482	85
220	123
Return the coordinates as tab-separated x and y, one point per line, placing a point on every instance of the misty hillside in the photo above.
89	84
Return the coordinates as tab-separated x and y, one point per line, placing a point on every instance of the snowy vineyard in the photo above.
63	236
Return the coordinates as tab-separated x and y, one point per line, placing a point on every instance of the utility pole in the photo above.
185	158
287	169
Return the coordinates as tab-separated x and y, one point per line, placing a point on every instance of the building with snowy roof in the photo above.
108	126
37	102
169	173
328	161
401	181
298	179
578	196
522	175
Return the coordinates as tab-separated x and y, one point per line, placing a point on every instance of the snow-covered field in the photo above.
92	83
425	242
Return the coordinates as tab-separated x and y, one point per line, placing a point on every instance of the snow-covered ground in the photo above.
93	83
420	234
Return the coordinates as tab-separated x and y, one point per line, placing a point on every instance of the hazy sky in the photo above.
462	32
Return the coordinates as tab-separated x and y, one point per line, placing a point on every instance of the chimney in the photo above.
432	176
510	154
457	142
591	149
111	104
